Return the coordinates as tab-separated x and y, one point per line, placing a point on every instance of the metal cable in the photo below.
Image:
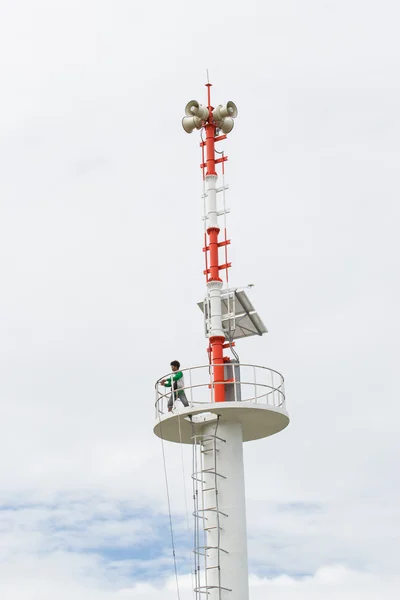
184	488
169	512
235	354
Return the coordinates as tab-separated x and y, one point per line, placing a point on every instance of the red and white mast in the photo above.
220	119
214	282
229	403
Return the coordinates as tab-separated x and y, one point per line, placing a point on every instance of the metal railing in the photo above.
246	384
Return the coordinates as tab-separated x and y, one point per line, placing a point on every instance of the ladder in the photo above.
208	518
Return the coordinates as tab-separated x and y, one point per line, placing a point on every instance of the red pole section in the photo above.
213	245
217	359
210	136
210	147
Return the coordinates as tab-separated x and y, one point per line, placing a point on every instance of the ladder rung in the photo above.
213	527
220	245
209	489
218	189
208	437
216	567
212	548
196	478
211	509
220	267
195	514
207	473
210	472
210	587
220	213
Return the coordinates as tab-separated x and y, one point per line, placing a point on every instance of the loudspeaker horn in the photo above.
194	109
226	125
191	123
229	110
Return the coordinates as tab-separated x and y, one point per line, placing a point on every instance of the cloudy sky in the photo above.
101	214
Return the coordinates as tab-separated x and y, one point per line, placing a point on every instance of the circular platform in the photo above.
258	420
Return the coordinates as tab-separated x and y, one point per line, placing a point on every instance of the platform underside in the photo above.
258	421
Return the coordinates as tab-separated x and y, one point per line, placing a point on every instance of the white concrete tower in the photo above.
229	402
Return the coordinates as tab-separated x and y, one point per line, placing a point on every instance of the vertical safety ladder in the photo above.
207	515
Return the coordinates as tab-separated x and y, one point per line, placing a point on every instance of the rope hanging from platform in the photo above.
169	504
170	515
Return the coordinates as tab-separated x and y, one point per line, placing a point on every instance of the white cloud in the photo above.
66	575
328	582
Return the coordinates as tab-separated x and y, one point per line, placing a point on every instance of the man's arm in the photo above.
168	382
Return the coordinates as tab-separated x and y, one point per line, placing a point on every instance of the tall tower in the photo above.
230	402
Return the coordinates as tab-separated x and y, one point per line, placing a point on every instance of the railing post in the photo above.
273	388
212	383
191	387
234	383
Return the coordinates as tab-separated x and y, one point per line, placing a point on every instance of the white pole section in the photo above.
211	201
215	317
213	287
225	512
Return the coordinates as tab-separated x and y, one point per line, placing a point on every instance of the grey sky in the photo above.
100	209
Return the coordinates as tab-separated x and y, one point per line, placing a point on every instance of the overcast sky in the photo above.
101	218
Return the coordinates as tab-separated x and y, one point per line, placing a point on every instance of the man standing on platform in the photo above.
177	383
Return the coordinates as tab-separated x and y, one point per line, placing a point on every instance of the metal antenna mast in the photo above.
229	402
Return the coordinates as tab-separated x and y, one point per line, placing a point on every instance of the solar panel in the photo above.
239	317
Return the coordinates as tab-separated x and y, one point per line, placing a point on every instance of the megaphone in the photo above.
191	123
229	110
226	125
194	109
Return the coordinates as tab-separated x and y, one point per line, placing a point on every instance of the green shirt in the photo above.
178	375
